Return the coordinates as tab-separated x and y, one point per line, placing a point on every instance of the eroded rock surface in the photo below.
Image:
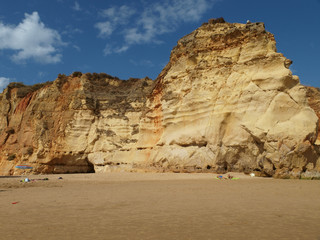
58	127
226	101
313	95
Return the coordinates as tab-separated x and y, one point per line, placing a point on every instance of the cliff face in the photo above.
226	101
57	127
229	102
313	95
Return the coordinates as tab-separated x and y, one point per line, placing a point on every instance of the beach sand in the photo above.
158	206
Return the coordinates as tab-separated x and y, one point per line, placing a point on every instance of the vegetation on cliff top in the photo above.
24	90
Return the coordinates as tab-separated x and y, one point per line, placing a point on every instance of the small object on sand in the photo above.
15	202
230	177
248	22
252	175
26	180
60	178
23	167
46	179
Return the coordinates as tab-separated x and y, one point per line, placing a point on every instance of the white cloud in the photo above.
76	6
105	28
3	83
121	49
41	74
31	39
116	16
76	47
70	31
153	21
165	17
145	63
109	49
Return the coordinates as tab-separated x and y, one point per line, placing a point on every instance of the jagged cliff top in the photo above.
97	82
222	36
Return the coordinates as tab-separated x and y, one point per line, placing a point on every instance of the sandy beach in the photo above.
158	206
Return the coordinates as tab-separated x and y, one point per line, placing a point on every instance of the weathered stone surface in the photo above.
236	105
65	124
226	101
313	95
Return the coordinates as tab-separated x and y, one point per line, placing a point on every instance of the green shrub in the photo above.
62	79
16	85
76	74
40	85
89	76
104	75
95	76
24	90
62	76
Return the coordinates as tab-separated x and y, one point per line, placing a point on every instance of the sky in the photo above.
40	39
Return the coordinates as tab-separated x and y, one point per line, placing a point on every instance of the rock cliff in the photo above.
226	101
313	95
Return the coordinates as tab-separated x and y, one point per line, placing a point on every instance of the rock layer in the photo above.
59	126
226	101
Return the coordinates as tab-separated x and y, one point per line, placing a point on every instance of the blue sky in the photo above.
41	38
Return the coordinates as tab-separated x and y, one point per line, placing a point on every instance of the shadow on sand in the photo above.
10	176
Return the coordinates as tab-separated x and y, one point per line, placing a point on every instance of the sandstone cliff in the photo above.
55	128
313	95
226	101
